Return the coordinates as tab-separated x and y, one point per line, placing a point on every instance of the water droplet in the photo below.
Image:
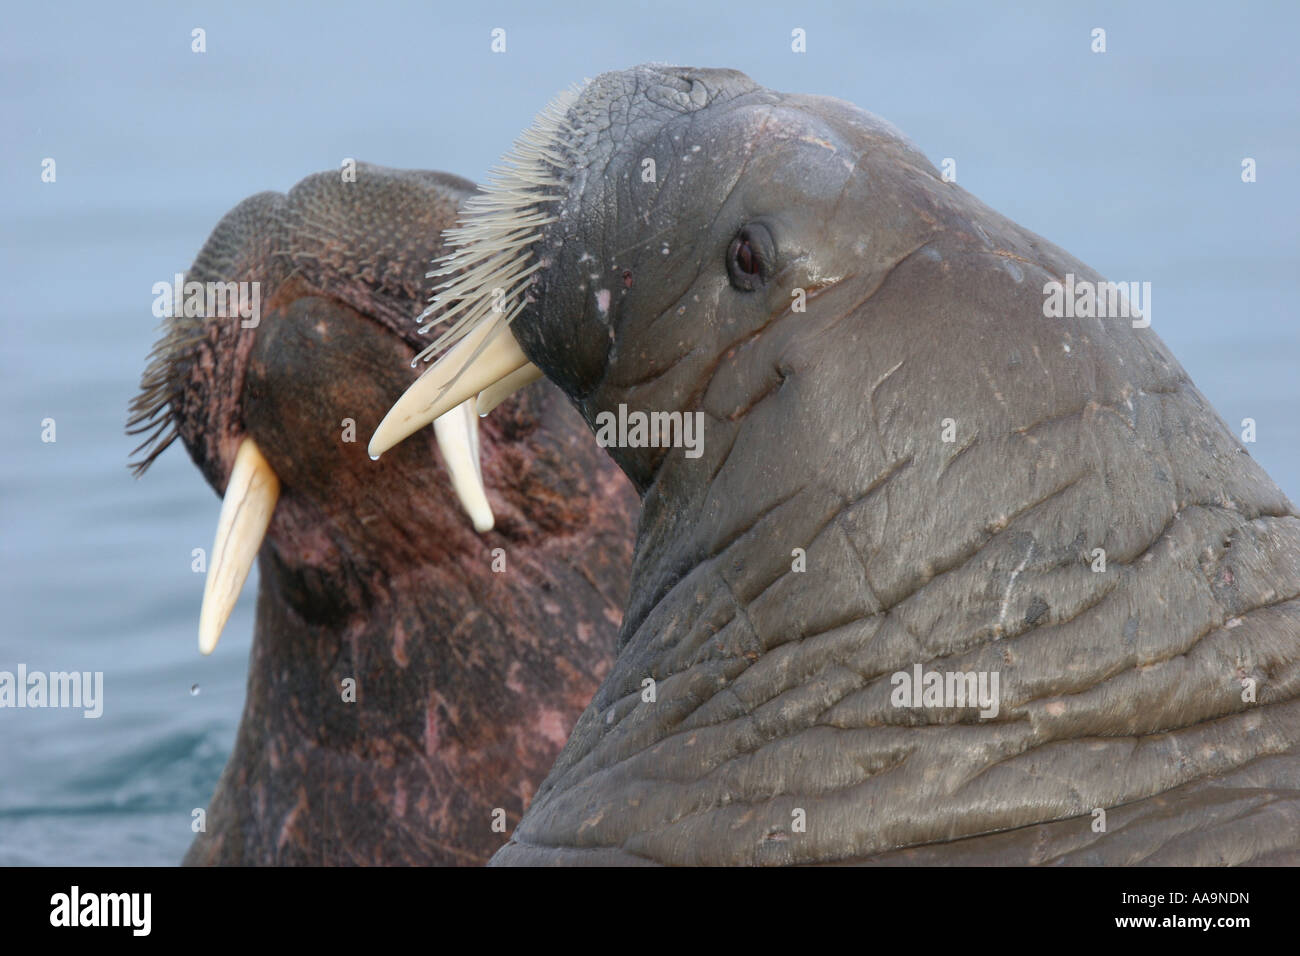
374	458
194	690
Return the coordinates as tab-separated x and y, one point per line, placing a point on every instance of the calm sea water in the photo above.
1129	159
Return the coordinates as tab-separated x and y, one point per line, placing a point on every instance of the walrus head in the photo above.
469	653
908	462
527	248
215	378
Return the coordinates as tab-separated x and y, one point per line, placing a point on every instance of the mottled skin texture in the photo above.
467	680
1120	690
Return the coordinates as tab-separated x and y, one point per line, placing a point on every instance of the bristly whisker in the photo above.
489	263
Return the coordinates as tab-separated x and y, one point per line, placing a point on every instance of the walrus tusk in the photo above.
246	510
457	433
494	395
254	488
480	360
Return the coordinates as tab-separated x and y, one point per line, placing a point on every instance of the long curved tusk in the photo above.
494	395
457	433
467	374
246	511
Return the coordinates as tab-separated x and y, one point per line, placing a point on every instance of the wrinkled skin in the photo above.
467	681
1121	690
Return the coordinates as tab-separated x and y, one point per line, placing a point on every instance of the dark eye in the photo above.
750	256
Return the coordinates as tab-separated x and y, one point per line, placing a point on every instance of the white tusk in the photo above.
473	441
457	433
494	395
246	511
429	398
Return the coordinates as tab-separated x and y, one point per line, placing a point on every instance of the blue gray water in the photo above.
1129	159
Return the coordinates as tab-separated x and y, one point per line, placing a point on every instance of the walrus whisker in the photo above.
167	362
489	263
488	269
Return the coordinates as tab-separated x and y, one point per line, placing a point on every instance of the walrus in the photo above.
910	467
411	680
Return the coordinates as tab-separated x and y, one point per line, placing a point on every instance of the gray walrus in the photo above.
471	655
908	468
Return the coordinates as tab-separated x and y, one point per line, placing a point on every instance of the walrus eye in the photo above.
749	258
745	258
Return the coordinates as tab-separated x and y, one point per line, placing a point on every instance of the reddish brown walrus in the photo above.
468	677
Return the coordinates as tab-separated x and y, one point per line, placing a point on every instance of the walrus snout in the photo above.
523	241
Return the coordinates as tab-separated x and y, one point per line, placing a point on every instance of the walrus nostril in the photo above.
675	76
677	88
